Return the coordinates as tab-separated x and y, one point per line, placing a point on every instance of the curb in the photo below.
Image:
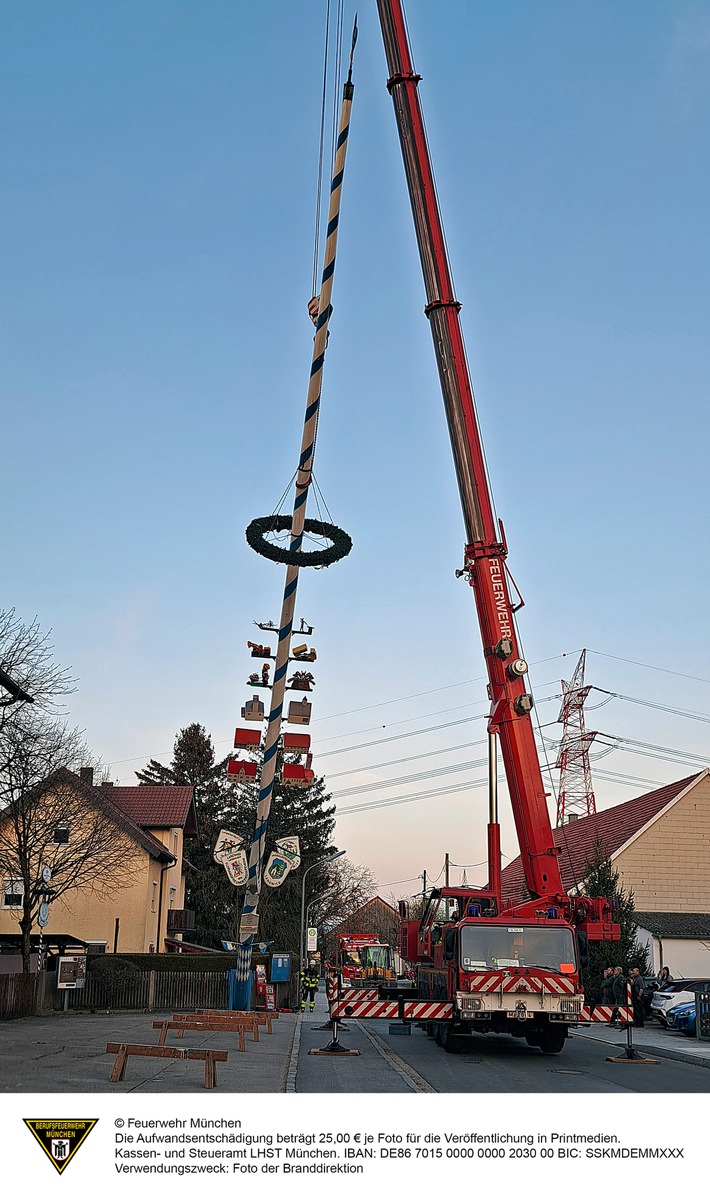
293	1056
655	1050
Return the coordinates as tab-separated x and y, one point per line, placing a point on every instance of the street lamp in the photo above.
323	860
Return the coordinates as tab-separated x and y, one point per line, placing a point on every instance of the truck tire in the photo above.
553	1041
450	1041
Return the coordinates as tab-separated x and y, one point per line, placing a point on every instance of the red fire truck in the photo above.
363	961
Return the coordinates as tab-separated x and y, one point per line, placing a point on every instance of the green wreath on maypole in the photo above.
340	542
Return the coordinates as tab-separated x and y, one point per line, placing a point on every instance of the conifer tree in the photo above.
207	889
221	803
602	880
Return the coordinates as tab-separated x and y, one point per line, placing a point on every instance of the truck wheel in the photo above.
552	1042
450	1041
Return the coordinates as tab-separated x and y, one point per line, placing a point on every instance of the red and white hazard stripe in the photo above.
602	1014
374	1008
489	982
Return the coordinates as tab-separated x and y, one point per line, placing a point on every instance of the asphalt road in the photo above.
396	1063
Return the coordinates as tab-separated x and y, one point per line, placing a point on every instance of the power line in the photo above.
654	668
655	705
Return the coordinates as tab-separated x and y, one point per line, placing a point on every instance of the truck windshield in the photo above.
516	947
375	957
368	958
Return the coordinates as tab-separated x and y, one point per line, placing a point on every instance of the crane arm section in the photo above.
485	550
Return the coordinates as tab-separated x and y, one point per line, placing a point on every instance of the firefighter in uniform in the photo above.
309	985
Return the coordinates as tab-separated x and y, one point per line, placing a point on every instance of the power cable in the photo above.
637	663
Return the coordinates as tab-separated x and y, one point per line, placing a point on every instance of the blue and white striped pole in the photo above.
249	922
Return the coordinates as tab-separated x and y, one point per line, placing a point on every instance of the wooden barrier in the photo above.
124	1050
246	1016
181	1025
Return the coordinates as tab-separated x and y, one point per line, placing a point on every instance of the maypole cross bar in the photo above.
294	557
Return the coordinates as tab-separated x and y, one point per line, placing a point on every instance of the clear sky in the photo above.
157	242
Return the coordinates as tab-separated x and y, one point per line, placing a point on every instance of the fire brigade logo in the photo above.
60	1139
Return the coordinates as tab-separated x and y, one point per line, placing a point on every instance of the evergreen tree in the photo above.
294	811
602	881
221	803
207	889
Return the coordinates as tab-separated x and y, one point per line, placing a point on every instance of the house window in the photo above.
61	833
173	891
153	896
93	949
13	892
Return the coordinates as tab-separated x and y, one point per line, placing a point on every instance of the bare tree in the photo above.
48	819
349	887
59	824
29	674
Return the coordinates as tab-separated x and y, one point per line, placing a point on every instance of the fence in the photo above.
25	993
153	991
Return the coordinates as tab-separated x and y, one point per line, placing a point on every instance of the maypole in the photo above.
295	558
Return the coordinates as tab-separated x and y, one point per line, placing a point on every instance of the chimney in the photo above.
86	776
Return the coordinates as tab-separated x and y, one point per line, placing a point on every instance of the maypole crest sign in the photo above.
230	854
281	861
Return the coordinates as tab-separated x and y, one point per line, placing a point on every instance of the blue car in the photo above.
682	1018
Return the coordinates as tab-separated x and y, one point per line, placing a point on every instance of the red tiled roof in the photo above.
609	830
154	806
122	819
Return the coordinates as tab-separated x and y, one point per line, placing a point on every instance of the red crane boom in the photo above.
486	549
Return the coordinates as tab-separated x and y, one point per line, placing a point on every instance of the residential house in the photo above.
658	843
376	917
144	912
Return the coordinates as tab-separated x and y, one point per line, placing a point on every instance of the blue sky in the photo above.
157	244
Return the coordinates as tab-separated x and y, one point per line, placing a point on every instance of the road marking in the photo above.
404	1070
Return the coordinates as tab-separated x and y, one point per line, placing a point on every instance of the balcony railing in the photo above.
181	920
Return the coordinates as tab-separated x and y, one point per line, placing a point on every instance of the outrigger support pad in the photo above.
341	543
334	1048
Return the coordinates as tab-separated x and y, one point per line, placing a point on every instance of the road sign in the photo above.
46	874
312	939
43	916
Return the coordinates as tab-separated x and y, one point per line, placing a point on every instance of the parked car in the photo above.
680	991
650	985
681	1018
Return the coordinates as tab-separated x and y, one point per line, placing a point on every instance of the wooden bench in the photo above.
124	1050
181	1024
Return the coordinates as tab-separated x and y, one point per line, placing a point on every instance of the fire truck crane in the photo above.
494	964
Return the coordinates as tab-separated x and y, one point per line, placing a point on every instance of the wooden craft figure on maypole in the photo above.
286	855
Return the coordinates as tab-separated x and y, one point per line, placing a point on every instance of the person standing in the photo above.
309	985
618	985
637	992
607	993
664	979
